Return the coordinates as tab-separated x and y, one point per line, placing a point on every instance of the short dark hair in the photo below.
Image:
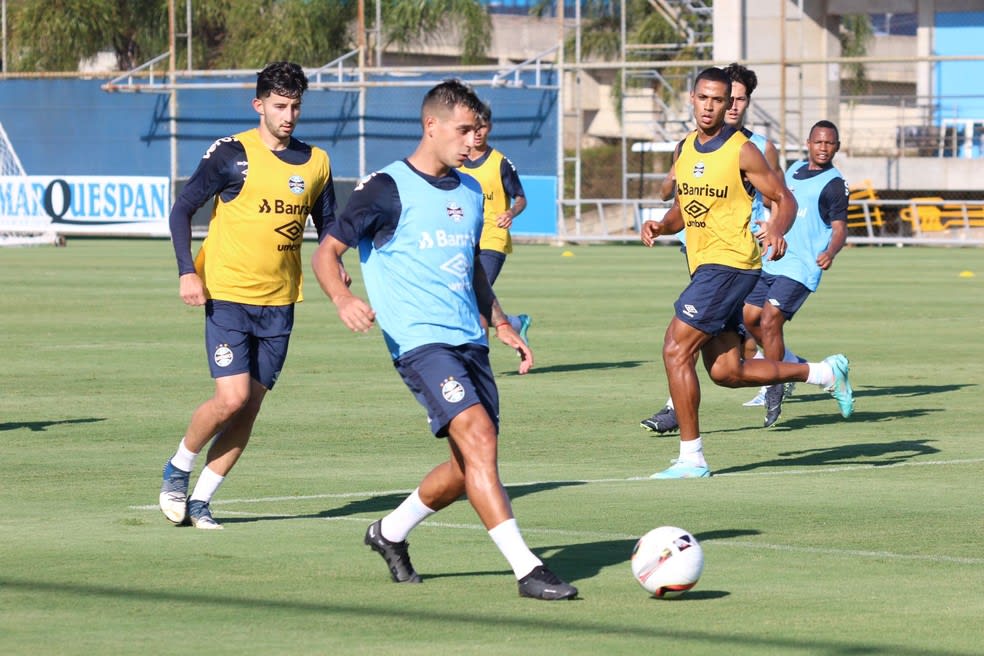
282	78
714	74
829	125
742	75
448	95
486	113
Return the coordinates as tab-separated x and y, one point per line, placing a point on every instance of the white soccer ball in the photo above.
667	561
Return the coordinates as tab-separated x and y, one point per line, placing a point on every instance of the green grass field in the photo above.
821	536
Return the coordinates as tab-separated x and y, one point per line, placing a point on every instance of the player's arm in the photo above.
652	229
216	173
372	211
670	224
833	207
354	312
489	307
514	190
667	188
323	216
773	188
772	157
323	212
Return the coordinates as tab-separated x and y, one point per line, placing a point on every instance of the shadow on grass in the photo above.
36	592
41	426
580	561
383	503
582	366
877	454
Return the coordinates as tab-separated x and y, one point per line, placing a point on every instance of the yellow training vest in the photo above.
497	201
253	250
715	205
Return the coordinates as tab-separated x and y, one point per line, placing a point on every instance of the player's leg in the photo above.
268	341
681	343
228	351
474	442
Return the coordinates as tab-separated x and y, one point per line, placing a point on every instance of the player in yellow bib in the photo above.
713	205
265	183
504	201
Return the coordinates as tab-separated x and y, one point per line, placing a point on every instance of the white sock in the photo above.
820	374
692	451
514	322
208	483
506	536
184	459
397	525
669	403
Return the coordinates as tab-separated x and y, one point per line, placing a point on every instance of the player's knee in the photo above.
228	402
726	375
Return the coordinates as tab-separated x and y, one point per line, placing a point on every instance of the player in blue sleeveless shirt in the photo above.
816	237
417	224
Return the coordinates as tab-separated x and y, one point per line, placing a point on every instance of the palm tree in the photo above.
55	35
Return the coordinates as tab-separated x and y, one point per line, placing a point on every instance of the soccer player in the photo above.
815	239
743	84
247	275
504	201
417	224
723	255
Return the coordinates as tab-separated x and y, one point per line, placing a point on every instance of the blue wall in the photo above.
73	127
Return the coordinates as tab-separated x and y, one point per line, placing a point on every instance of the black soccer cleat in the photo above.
394	553
773	404
663	421
543	584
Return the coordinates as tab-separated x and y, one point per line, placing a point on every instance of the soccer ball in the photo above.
667	561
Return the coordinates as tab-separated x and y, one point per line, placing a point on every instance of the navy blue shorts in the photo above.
448	380
784	293
242	338
492	262
713	301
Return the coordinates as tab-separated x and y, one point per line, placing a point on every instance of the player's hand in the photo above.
650	231
504	220
510	337
774	246
824	261
763	230
191	289
355	314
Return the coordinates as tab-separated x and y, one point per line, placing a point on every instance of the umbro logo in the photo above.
292	231
690	310
695	209
458	265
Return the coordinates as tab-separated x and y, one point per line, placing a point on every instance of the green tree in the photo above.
54	35
411	22
855	32
309	33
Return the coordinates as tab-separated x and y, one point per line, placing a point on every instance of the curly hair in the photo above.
282	78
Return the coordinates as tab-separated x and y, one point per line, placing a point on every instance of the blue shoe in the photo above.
524	325
681	469
841	389
200	515
174	493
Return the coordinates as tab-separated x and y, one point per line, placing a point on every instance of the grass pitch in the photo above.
821	536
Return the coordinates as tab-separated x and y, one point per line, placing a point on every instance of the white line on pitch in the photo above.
738	544
786	472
